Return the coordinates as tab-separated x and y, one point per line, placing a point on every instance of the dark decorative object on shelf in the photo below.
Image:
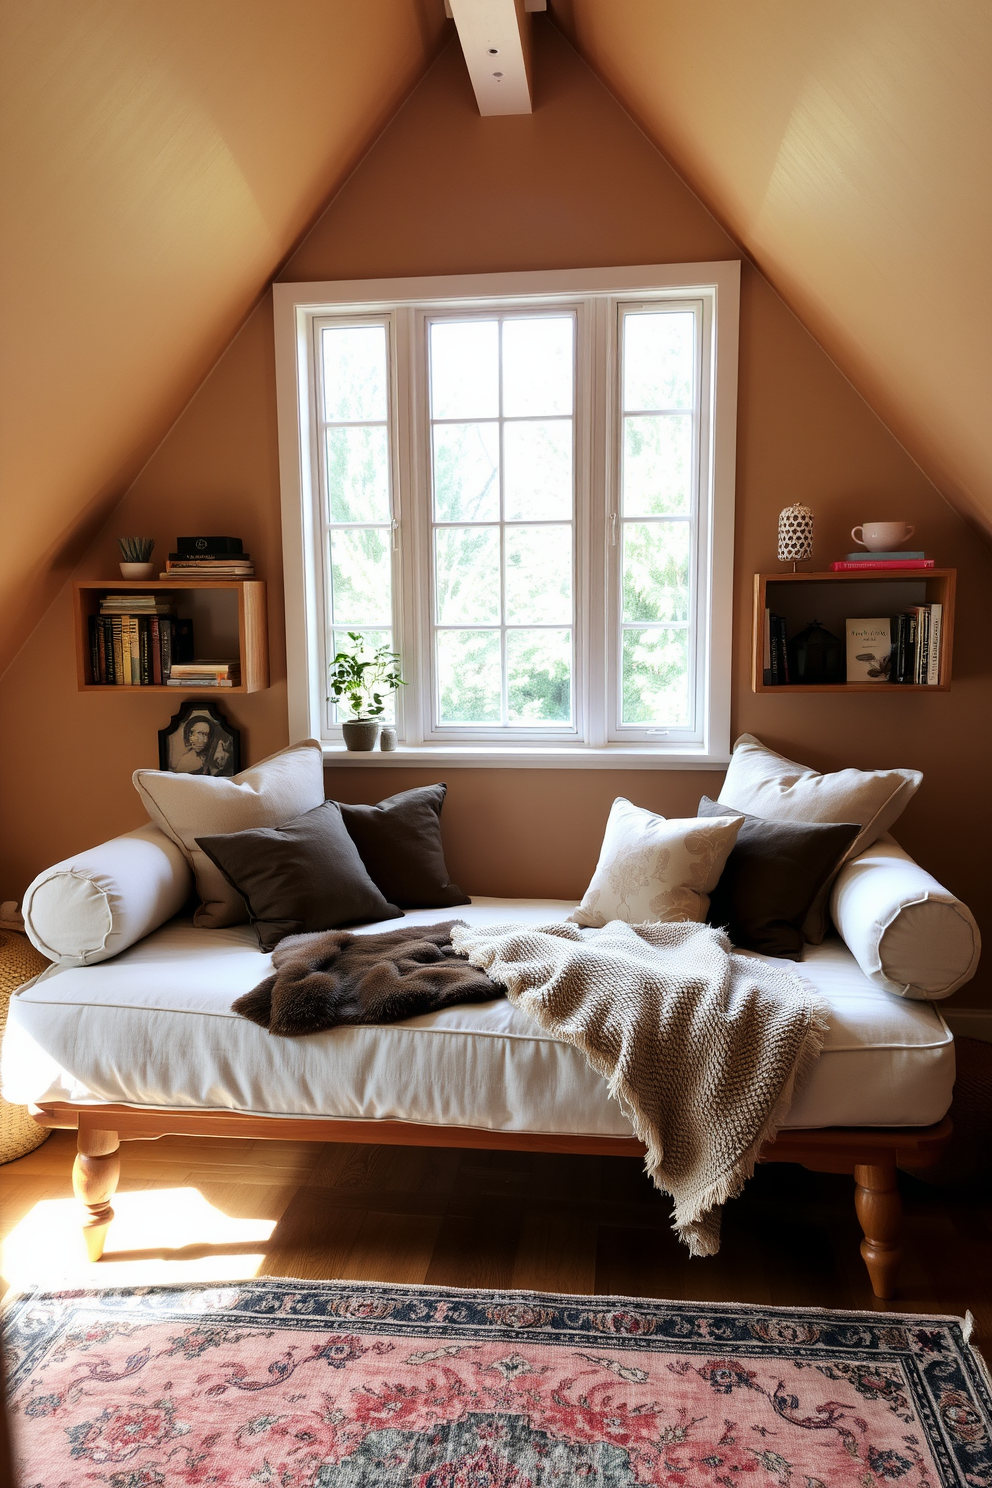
199	741
816	655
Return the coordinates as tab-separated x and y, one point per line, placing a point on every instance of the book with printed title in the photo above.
869	649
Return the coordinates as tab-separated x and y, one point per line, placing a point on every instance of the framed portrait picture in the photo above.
199	741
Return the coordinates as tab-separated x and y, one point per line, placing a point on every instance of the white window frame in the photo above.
597	295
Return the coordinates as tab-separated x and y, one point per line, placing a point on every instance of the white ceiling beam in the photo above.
495	37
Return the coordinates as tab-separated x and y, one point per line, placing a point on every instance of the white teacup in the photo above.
879	537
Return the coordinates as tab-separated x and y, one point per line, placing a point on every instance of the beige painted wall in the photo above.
445	191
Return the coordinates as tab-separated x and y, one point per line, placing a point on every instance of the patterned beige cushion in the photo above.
651	869
272	792
767	784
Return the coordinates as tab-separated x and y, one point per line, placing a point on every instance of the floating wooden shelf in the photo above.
835	597
229	619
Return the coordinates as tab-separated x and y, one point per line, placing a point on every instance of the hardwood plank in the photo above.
477	1249
560	1222
554	1254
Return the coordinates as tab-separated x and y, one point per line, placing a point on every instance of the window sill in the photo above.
527	757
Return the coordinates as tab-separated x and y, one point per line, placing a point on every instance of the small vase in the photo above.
137	570
387	738
360	734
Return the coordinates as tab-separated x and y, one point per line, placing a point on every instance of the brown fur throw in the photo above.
336	977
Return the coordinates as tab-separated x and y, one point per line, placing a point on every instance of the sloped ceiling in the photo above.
848	147
159	162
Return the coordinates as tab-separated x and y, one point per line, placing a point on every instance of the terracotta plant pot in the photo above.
360	733
137	570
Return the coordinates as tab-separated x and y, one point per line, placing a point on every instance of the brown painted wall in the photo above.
445	191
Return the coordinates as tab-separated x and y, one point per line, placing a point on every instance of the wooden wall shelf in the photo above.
229	617
833	598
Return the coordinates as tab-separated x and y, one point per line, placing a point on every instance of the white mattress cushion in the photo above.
153	1027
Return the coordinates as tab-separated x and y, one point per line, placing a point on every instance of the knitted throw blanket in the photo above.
704	1048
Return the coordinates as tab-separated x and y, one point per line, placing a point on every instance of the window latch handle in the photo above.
614	524
395	527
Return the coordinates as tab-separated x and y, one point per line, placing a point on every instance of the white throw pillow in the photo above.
88	907
652	869
904	929
190	806
767	784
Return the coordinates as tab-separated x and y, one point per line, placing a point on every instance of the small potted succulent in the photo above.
135	555
361	680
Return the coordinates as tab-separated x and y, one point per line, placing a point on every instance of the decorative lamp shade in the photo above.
816	655
795	534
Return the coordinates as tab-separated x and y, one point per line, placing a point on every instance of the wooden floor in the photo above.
191	1209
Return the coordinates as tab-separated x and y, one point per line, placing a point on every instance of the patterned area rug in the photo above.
353	1385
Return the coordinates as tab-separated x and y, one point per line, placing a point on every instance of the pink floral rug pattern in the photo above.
353	1385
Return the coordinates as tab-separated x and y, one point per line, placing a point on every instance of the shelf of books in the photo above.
175	636
879	630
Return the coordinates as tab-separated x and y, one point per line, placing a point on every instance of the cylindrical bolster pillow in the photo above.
906	932
89	907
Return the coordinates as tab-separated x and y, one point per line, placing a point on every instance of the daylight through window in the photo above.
521	496
501	403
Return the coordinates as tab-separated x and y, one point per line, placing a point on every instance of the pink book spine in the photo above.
884	563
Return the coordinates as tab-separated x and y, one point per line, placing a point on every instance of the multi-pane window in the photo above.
657	508
529	497
356	461
502	518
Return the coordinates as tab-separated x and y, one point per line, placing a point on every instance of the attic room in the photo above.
498	519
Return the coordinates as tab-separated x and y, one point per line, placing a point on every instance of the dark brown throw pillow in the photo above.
399	841
304	875
774	872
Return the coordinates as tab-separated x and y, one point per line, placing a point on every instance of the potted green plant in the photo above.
135	555
361	680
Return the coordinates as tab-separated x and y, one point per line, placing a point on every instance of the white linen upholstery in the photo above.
906	932
89	907
154	1028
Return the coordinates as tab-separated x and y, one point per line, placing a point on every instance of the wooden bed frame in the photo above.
871	1155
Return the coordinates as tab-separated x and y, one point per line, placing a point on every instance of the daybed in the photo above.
130	1035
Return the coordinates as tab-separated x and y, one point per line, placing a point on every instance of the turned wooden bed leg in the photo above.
876	1198
94	1181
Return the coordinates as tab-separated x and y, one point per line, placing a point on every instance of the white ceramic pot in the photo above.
360	734
137	570
387	738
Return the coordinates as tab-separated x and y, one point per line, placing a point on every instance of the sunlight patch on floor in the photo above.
158	1236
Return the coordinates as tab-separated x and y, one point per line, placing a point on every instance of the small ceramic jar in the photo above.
387	738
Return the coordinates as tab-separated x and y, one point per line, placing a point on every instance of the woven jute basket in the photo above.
19	962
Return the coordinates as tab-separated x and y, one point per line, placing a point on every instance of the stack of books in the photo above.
864	560
209	558
775	664
137	639
206	674
162	603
